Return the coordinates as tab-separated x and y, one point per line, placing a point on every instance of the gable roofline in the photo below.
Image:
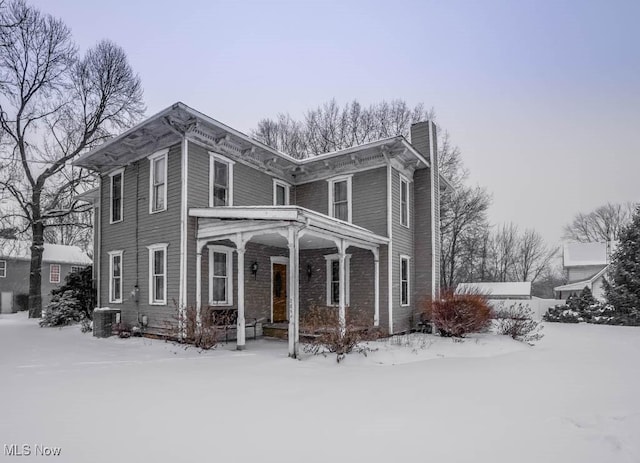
579	285
85	159
53	253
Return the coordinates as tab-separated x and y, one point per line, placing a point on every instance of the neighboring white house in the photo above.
585	265
498	290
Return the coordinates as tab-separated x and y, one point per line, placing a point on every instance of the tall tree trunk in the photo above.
37	249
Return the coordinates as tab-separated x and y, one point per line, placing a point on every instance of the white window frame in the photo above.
287	191
404	181
3	268
112	255
229	277
330	258
152	250
213	158
51	267
152	165
408	260
331	182
111	176
76	268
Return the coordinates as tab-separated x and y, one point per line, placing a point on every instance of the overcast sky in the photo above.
542	97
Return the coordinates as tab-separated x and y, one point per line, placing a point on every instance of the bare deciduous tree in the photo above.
330	127
602	224
54	105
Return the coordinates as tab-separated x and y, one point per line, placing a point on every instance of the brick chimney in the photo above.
427	207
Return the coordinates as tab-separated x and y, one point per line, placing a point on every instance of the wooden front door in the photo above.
279	287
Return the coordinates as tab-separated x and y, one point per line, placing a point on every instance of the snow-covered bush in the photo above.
64	309
322	332
459	314
80	286
517	321
585	308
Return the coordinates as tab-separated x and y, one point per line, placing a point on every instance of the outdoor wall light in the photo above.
254	269
309	271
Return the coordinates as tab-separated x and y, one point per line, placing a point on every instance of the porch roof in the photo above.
219	221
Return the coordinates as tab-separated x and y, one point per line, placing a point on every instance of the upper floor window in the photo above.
340	197
3	268
220	275
280	193
115	276
54	273
404	280
404	201
333	279
220	181
158	181
158	274
117	190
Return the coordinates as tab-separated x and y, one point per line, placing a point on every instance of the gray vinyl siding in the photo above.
313	195
251	187
422	289
402	245
161	227
16	280
369	198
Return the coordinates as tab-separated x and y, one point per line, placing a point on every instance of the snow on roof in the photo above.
21	250
577	254
520	288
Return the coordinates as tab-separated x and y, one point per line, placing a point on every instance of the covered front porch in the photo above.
273	262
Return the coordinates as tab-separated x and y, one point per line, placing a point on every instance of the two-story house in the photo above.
191	212
585	265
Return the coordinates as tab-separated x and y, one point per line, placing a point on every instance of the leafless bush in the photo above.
517	321
322	331
459	314
204	335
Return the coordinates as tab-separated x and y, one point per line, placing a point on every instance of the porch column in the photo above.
376	287
342	256
199	284
240	331
292	297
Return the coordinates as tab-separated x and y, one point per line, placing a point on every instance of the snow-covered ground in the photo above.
572	398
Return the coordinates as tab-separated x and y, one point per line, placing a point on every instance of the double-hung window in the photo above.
333	279
117	190
220	275
76	269
3	268
404	280
340	204
115	276
404	201
54	273
220	181
158	274
280	193
158	181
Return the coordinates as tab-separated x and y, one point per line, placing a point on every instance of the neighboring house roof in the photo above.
583	254
504	289
579	285
58	253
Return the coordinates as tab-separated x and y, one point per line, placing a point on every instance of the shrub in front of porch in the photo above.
204	335
322	332
459	314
